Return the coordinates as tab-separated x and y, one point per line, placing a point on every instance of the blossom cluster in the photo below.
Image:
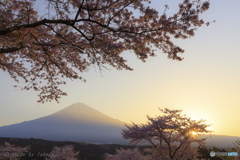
75	35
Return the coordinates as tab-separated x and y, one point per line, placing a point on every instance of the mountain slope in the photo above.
77	122
82	112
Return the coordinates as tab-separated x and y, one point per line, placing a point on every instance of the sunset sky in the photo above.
205	85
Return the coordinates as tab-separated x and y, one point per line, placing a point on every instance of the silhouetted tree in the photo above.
237	147
170	135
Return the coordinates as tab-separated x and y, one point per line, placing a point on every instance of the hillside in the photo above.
87	151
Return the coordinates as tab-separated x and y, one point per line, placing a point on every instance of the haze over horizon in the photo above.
205	85
82	123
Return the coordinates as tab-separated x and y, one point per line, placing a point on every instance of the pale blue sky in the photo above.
206	84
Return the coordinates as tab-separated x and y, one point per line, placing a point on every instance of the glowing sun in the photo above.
194	133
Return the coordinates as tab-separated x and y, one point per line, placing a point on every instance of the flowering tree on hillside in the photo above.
12	152
59	153
170	135
72	35
128	154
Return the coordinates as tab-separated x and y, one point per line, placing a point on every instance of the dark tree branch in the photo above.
79	9
10	50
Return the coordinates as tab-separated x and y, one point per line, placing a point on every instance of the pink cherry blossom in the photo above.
73	35
67	152
170	135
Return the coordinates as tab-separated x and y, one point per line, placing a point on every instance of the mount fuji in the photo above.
77	122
